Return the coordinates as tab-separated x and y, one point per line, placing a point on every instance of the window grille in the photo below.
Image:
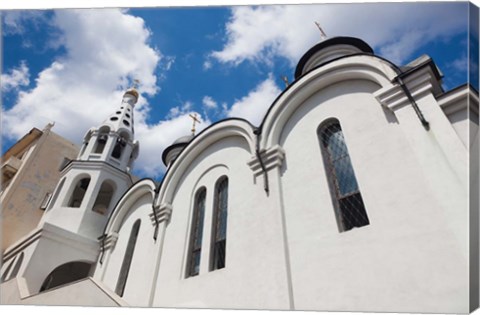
220	224
197	233
347	199
127	259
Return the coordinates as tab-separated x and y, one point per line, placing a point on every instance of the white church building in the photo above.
352	195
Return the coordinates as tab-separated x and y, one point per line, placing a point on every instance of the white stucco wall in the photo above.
140	278
409	257
255	273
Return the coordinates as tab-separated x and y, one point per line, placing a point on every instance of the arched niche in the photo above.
102	139
76	197
121	143
66	273
104	197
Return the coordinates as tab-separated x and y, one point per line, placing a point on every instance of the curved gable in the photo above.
357	67
208	137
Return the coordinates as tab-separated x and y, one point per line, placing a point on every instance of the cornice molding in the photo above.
110	241
162	212
271	158
419	83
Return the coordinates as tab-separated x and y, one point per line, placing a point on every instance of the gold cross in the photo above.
195	120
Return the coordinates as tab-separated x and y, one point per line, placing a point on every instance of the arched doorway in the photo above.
66	273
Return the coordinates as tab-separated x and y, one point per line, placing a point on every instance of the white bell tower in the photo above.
113	141
87	192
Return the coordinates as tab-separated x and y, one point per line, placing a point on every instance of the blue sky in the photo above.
72	66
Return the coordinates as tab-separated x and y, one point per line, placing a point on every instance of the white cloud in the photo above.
104	51
207	65
209	102
176	111
15	78
395	30
13	20
255	104
460	64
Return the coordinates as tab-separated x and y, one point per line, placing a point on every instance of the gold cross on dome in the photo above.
195	120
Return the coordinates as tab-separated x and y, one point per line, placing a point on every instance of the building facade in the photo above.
352	195
30	170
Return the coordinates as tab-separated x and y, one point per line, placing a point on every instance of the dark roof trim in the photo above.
457	88
204	130
341	40
392	65
165	152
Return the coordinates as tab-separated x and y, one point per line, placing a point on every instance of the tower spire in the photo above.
113	141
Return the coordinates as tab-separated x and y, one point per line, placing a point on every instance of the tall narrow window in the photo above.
127	259
350	210
219	235
79	192
197	233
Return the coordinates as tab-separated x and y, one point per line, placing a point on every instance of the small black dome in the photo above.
330	49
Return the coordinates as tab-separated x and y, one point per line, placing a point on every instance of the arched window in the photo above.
197	233
219	231
55	195
127	259
18	264
350	210
78	193
104	197
101	139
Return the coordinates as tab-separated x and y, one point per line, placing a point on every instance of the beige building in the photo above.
30	171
